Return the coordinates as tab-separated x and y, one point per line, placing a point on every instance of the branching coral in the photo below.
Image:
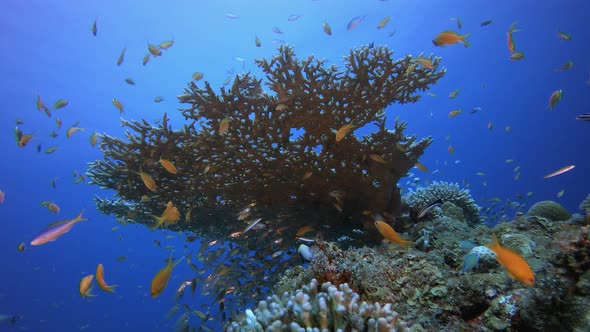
311	308
245	149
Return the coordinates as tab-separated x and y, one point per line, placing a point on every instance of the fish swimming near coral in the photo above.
516	267
429	208
389	233
470	262
449	38
161	278
55	230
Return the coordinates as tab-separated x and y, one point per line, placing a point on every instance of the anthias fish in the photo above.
55	230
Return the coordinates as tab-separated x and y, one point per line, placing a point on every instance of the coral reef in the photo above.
311	308
585	205
448	192
245	145
549	210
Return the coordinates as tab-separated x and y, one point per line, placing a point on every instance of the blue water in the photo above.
48	50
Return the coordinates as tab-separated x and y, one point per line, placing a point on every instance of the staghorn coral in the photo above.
314	308
448	192
549	210
244	149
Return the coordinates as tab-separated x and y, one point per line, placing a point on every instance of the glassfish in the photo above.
55	230
160	280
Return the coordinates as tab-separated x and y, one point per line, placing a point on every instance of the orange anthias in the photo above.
100	280
389	233
86	286
170	215
515	265
449	38
161	278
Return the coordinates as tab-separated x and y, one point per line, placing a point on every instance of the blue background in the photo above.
48	50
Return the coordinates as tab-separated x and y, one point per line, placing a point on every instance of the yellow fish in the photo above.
454	113
345	129
160	280
147	180
86	286
118	105
168	165
100	280
170	215
514	264
389	233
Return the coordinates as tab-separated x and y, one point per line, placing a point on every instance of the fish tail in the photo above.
405	244
110	289
464	40
79	216
159	222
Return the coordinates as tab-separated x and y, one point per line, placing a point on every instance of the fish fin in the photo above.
159	222
493	244
464	40
79	216
405	244
110	288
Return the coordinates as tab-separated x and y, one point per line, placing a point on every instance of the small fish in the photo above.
197	76
293	17
170	215
73	130
303	230
231	16
583	117
118	105
383	22
451	149
51	206
58	123
55	230
86	286
459	23
486	22
421	167
509	38
560	193
166	44
251	225
21	247
94	139
129	81
560	171
466	245
345	129
51	150
566	66
154	50
424	62
158	99
160	280
389	233
554	99
431	94
277	31
508	129
257	41
564	36
450	37
327	28
94	28
60	103
306	175
2	196
475	110
121	258
469	262
429	208
490	125
454	94
100	280
148	181
224	126
514	264
121	56
517	55
377	158
454	113
168	165
354	22
146	59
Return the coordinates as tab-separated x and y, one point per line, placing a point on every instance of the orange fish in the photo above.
72	130
161	278
345	129
86	286
147	180
170	215
389	233
454	113
450	37
509	39
421	167
224	125
303	230
514	264
100	280
168	165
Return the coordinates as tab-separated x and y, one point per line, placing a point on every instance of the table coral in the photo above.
239	145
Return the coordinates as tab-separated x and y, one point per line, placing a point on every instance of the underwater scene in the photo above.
295	165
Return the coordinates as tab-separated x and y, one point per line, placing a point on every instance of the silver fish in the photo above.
429	207
252	224
583	117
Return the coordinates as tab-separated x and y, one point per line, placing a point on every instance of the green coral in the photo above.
549	210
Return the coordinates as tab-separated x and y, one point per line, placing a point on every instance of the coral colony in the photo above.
269	174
